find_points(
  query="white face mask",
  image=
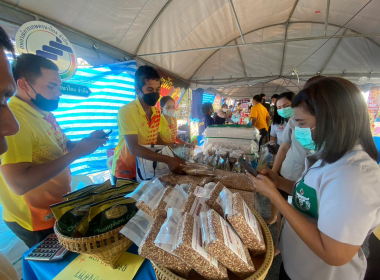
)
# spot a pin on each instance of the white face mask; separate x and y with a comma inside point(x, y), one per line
point(224, 110)
point(169, 113)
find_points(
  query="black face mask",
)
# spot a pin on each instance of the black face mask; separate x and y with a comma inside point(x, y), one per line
point(42, 102)
point(151, 98)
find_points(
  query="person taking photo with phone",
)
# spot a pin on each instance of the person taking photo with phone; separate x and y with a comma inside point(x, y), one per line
point(35, 170)
point(336, 200)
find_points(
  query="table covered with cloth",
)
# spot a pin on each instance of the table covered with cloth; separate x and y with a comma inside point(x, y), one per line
point(37, 270)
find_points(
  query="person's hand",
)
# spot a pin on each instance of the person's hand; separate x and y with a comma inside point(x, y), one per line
point(190, 146)
point(273, 176)
point(97, 134)
point(87, 146)
point(263, 184)
point(175, 164)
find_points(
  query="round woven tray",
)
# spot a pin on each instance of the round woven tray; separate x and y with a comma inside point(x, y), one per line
point(163, 273)
point(107, 247)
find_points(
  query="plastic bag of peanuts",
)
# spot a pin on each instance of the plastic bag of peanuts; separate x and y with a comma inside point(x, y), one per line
point(246, 225)
point(226, 246)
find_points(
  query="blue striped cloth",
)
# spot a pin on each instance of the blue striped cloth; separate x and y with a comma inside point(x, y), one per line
point(208, 98)
point(112, 86)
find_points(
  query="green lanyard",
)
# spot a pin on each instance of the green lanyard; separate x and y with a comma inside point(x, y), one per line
point(305, 200)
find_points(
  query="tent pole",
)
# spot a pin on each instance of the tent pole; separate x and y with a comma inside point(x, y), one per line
point(241, 59)
point(327, 17)
point(151, 26)
point(331, 55)
point(266, 43)
point(237, 22)
point(286, 35)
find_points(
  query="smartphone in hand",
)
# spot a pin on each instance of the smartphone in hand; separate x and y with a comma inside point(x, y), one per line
point(248, 167)
point(107, 133)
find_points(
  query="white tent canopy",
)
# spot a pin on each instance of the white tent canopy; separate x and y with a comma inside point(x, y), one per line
point(281, 43)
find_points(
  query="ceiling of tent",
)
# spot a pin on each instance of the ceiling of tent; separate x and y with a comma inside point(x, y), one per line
point(195, 39)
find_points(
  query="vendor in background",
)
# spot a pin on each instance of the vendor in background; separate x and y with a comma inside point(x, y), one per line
point(291, 155)
point(266, 105)
point(221, 115)
point(207, 111)
point(238, 107)
point(140, 124)
point(282, 112)
point(168, 130)
point(336, 201)
point(35, 171)
point(8, 126)
point(273, 105)
point(260, 117)
point(230, 112)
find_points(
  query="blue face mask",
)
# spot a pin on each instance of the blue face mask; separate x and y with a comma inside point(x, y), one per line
point(286, 112)
point(303, 135)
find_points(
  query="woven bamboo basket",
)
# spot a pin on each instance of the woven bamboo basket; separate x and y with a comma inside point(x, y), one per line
point(262, 263)
point(107, 247)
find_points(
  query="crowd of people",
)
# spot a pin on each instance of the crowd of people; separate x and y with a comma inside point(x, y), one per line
point(327, 161)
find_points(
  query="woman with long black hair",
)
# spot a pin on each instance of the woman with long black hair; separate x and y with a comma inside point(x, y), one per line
point(336, 202)
point(282, 112)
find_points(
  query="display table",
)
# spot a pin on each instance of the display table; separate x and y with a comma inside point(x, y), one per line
point(34, 270)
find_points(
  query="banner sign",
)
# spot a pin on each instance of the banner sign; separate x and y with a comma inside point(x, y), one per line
point(373, 109)
point(43, 39)
point(170, 86)
point(75, 89)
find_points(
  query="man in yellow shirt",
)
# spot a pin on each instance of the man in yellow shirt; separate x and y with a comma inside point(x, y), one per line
point(140, 124)
point(35, 170)
point(8, 126)
point(260, 117)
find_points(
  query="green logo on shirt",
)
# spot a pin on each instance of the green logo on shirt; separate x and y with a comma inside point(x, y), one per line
point(305, 200)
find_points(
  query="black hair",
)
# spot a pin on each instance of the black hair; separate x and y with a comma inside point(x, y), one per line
point(312, 80)
point(29, 66)
point(277, 119)
point(206, 107)
point(274, 96)
point(145, 73)
point(262, 95)
point(342, 117)
point(224, 105)
point(5, 42)
point(239, 104)
point(258, 98)
point(165, 99)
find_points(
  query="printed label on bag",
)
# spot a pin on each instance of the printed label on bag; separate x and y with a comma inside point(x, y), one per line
point(49, 217)
point(232, 240)
point(251, 220)
point(198, 207)
point(197, 243)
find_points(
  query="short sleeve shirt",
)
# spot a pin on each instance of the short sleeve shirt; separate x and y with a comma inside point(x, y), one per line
point(260, 113)
point(342, 199)
point(132, 120)
point(168, 132)
point(294, 162)
point(39, 140)
point(277, 131)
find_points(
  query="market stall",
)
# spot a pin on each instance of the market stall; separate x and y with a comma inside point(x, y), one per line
point(232, 49)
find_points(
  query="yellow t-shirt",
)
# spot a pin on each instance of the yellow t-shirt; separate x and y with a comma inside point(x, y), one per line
point(168, 132)
point(40, 140)
point(132, 120)
point(260, 113)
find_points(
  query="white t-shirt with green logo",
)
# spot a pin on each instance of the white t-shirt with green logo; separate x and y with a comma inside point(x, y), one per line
point(343, 199)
